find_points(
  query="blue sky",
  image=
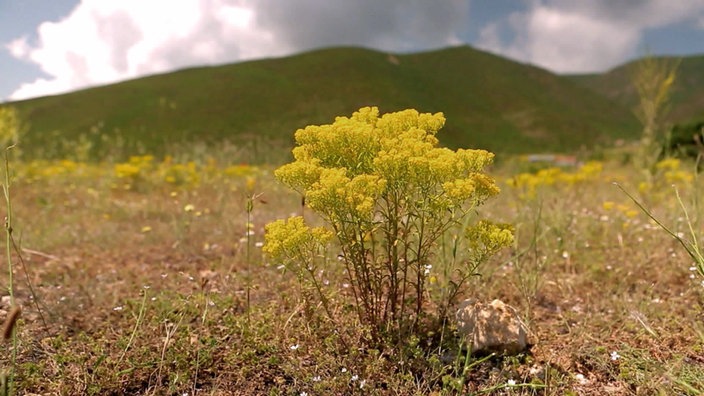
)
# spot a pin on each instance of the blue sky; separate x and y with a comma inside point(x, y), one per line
point(56, 46)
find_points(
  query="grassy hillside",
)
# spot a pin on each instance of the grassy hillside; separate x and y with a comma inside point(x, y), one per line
point(490, 102)
point(687, 95)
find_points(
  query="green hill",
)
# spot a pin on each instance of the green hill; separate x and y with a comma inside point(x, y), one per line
point(687, 95)
point(490, 102)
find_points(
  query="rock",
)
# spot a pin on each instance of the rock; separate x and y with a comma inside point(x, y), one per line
point(493, 327)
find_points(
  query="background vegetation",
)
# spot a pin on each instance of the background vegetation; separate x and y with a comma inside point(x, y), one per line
point(490, 103)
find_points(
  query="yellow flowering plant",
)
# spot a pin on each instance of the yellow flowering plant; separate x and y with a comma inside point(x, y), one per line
point(10, 127)
point(134, 172)
point(387, 193)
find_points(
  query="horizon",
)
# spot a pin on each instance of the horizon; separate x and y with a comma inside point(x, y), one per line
point(313, 50)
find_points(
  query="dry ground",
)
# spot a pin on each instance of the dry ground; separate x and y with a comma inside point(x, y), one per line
point(145, 291)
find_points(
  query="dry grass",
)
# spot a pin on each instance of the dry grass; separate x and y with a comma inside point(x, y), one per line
point(144, 292)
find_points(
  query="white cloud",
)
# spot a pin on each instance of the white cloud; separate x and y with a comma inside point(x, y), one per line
point(107, 41)
point(102, 42)
point(19, 48)
point(41, 87)
point(568, 36)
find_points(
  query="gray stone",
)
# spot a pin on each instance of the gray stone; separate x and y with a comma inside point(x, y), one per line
point(494, 327)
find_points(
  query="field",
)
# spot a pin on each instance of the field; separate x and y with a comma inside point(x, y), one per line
point(147, 277)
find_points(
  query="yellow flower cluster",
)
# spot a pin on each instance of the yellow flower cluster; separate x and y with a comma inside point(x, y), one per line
point(625, 210)
point(288, 239)
point(34, 171)
point(238, 170)
point(668, 172)
point(528, 183)
point(341, 198)
point(139, 170)
point(178, 174)
point(486, 238)
point(134, 168)
point(135, 173)
point(345, 167)
point(671, 171)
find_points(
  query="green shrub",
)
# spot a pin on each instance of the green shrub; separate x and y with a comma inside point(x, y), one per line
point(686, 140)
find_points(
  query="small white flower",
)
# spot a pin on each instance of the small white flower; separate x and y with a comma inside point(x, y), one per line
point(304, 393)
point(692, 268)
point(615, 356)
point(362, 383)
point(354, 378)
point(294, 347)
point(511, 382)
point(344, 370)
point(118, 309)
point(316, 378)
point(259, 244)
point(428, 267)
